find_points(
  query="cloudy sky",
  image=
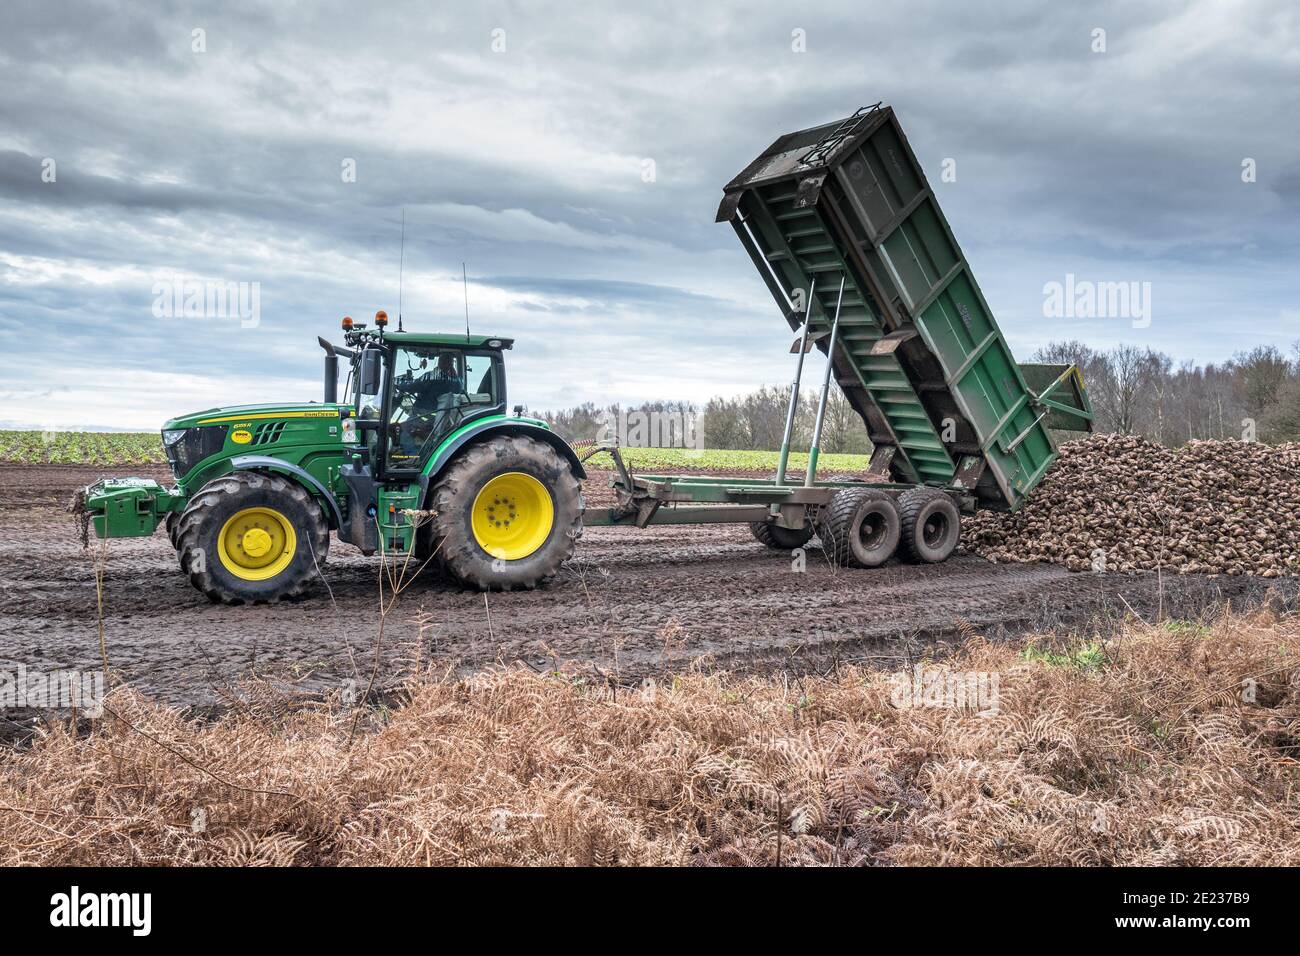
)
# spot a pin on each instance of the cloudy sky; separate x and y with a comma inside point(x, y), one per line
point(573, 156)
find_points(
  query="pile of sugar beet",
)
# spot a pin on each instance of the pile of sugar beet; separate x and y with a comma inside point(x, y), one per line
point(1121, 503)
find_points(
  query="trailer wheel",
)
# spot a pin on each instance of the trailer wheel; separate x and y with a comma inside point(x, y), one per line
point(860, 527)
point(778, 538)
point(251, 537)
point(508, 513)
point(931, 525)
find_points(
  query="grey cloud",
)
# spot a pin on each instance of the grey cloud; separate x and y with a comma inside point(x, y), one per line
point(526, 164)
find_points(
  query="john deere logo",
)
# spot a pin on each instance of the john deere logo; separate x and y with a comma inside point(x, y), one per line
point(241, 436)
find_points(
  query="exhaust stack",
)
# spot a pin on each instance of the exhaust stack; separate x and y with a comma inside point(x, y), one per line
point(331, 379)
point(331, 371)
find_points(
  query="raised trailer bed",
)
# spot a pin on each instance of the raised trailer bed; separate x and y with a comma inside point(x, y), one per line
point(918, 353)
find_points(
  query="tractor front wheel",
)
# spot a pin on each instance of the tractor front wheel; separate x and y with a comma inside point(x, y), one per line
point(250, 537)
point(170, 524)
point(508, 512)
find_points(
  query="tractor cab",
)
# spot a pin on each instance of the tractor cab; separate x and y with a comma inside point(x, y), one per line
point(412, 391)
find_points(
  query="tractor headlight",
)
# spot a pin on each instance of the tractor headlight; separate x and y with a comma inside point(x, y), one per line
point(187, 447)
point(349, 431)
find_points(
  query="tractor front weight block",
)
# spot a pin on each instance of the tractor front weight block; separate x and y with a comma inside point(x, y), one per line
point(128, 507)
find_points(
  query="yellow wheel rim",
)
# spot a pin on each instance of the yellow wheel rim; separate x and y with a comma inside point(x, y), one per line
point(256, 544)
point(512, 516)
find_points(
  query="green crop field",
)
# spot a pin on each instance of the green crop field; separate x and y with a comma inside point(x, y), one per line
point(688, 459)
point(81, 448)
point(145, 448)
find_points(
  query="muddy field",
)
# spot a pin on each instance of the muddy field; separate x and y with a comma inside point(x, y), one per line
point(632, 604)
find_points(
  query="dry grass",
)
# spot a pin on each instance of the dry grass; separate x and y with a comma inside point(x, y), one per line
point(1140, 751)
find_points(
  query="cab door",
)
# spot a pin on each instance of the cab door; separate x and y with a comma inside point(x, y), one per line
point(435, 390)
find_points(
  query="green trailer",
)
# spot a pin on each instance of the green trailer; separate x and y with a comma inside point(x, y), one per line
point(420, 458)
point(844, 229)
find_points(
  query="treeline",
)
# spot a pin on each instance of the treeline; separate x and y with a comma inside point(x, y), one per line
point(756, 420)
point(1255, 396)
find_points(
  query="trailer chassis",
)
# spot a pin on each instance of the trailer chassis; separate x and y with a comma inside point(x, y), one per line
point(643, 500)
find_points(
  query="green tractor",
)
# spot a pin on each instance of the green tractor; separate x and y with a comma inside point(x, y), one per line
point(418, 459)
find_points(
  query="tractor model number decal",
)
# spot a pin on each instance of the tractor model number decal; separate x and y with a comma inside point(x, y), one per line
point(241, 436)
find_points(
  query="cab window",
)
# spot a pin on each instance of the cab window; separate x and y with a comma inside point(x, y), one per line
point(435, 391)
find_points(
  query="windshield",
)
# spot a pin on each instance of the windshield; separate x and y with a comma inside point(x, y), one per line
point(435, 389)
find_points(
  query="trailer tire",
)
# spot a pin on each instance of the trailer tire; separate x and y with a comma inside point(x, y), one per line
point(278, 517)
point(463, 526)
point(860, 527)
point(778, 538)
point(931, 526)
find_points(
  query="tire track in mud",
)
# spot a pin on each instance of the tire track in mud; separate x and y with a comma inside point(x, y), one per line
point(632, 603)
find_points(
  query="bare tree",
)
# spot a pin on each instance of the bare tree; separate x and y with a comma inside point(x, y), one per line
point(844, 432)
point(1261, 373)
point(1125, 396)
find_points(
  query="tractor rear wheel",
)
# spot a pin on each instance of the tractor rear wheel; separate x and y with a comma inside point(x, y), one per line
point(778, 538)
point(508, 512)
point(931, 525)
point(860, 527)
point(250, 537)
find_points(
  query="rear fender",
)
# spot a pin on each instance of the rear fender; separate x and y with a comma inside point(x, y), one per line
point(498, 426)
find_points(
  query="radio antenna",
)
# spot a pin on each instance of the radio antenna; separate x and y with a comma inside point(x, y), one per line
point(401, 265)
point(464, 282)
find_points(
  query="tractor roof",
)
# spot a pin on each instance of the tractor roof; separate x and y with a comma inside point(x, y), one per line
point(437, 338)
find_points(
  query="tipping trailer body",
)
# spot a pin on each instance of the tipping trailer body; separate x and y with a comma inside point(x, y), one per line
point(918, 354)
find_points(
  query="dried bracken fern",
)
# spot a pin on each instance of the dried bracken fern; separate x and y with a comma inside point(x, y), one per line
point(1151, 752)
